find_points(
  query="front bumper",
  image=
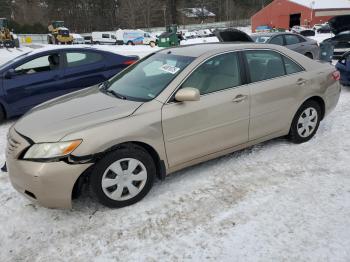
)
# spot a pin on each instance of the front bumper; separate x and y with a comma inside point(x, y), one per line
point(48, 184)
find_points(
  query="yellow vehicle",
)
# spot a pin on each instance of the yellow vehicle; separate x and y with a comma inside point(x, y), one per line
point(59, 35)
point(7, 38)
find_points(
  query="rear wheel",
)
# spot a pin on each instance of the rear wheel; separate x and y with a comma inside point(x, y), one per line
point(123, 177)
point(306, 122)
point(130, 43)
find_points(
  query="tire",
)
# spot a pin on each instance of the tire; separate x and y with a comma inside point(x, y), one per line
point(152, 44)
point(309, 55)
point(130, 43)
point(302, 132)
point(112, 188)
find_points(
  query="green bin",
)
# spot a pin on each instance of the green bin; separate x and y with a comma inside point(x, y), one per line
point(169, 38)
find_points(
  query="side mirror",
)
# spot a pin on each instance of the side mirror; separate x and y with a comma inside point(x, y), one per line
point(187, 94)
point(10, 73)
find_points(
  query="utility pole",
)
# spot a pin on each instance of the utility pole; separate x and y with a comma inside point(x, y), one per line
point(164, 15)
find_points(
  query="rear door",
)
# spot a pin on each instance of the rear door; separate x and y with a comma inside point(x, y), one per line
point(218, 121)
point(293, 42)
point(36, 80)
point(83, 69)
point(277, 83)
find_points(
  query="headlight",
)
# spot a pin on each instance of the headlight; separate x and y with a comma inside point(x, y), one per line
point(51, 150)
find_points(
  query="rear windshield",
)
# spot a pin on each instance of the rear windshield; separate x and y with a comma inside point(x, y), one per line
point(146, 79)
point(261, 38)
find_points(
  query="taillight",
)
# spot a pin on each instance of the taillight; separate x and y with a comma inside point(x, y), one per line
point(129, 62)
point(336, 75)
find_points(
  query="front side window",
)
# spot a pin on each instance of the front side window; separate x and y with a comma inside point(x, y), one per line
point(40, 64)
point(75, 59)
point(218, 73)
point(146, 79)
point(264, 64)
point(292, 40)
point(105, 35)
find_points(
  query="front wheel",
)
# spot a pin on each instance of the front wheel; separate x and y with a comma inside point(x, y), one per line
point(306, 122)
point(123, 177)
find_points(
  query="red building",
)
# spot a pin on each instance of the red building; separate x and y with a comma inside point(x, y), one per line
point(288, 13)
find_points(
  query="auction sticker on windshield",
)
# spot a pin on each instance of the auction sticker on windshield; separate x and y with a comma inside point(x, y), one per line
point(170, 69)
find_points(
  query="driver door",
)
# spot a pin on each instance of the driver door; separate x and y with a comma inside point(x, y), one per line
point(33, 82)
point(219, 121)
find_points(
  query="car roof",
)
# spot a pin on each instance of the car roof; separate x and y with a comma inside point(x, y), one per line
point(197, 50)
point(273, 34)
point(56, 48)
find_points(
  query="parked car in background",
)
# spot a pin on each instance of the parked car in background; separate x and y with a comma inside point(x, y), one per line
point(263, 29)
point(297, 29)
point(317, 26)
point(324, 29)
point(88, 40)
point(340, 27)
point(41, 75)
point(295, 42)
point(103, 38)
point(135, 37)
point(78, 39)
point(343, 65)
point(158, 116)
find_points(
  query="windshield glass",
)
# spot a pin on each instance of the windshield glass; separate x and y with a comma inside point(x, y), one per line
point(261, 38)
point(145, 80)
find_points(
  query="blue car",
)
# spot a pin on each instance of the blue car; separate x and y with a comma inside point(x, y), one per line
point(41, 75)
point(343, 67)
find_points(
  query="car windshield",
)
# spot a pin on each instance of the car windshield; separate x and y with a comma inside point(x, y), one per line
point(261, 38)
point(146, 79)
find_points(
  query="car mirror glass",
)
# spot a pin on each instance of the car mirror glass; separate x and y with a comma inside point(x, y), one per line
point(187, 94)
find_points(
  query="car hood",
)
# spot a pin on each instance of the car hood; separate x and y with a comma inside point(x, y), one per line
point(339, 24)
point(57, 118)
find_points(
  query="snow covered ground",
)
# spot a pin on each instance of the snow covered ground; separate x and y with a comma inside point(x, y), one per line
point(276, 201)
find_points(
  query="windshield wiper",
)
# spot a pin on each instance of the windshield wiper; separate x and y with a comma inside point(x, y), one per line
point(114, 93)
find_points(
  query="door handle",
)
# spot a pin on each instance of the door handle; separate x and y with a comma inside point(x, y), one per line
point(239, 98)
point(301, 82)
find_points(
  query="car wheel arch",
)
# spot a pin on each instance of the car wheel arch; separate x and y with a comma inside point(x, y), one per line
point(84, 177)
point(160, 164)
point(317, 99)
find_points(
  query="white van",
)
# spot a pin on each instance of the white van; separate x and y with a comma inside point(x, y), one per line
point(103, 38)
point(135, 37)
point(77, 39)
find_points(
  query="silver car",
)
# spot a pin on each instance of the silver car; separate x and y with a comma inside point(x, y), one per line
point(295, 42)
point(171, 110)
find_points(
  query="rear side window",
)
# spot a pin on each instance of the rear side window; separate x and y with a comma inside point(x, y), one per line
point(75, 59)
point(291, 39)
point(264, 64)
point(277, 40)
point(218, 73)
point(105, 35)
point(291, 66)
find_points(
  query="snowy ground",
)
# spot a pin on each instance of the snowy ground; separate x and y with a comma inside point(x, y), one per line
point(276, 201)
